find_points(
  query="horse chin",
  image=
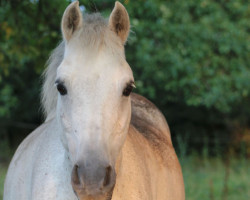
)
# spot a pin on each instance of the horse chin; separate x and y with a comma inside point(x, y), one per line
point(83, 196)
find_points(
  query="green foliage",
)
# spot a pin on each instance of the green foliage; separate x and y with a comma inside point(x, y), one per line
point(29, 31)
point(191, 58)
point(194, 52)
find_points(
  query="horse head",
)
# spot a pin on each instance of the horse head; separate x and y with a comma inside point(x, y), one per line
point(94, 83)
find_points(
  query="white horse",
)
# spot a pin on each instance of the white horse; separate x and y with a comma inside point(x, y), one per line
point(99, 141)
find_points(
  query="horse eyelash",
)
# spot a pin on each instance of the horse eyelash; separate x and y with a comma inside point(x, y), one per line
point(133, 84)
point(58, 81)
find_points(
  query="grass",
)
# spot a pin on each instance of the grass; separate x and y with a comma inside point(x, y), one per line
point(3, 170)
point(215, 179)
point(205, 178)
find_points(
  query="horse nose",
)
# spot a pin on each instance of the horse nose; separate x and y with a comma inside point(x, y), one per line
point(107, 176)
point(92, 180)
point(74, 177)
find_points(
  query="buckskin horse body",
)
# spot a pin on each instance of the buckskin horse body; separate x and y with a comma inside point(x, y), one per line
point(99, 140)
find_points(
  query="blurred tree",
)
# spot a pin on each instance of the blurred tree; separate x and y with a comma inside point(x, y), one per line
point(191, 58)
point(29, 30)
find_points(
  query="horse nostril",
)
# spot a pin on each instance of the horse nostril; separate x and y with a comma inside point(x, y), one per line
point(75, 176)
point(107, 176)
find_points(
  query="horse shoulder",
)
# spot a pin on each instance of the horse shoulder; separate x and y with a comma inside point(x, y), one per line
point(150, 123)
point(18, 175)
point(37, 167)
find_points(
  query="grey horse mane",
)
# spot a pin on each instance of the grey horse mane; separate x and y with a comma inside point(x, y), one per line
point(49, 93)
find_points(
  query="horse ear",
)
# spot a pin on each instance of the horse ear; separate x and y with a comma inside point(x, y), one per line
point(71, 20)
point(119, 21)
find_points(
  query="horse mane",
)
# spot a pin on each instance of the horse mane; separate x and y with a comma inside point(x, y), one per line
point(94, 34)
point(49, 93)
point(148, 120)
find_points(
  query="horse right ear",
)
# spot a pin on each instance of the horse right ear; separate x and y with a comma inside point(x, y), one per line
point(71, 21)
point(119, 21)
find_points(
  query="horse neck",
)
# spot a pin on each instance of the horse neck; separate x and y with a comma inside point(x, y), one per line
point(50, 117)
point(55, 132)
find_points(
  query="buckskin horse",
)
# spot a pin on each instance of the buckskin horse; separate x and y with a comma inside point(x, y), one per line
point(99, 141)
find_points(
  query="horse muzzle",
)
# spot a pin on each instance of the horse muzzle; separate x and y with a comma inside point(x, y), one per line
point(92, 180)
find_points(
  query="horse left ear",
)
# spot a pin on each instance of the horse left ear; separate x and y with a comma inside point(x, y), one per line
point(119, 21)
point(72, 20)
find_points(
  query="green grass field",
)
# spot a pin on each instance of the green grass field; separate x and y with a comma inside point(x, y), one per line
point(3, 170)
point(206, 179)
point(213, 179)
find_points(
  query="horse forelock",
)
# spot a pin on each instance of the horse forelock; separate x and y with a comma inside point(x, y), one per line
point(94, 34)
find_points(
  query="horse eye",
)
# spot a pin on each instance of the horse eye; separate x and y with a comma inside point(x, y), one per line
point(61, 89)
point(128, 90)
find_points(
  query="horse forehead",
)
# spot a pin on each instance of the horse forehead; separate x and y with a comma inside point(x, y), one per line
point(84, 58)
point(93, 71)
